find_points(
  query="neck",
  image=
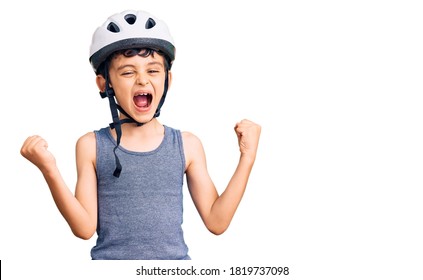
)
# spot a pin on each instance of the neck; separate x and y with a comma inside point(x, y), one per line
point(141, 138)
point(152, 127)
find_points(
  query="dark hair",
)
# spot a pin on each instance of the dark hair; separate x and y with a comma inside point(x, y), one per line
point(145, 52)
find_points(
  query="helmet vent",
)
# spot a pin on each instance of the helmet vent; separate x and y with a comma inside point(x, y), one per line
point(150, 23)
point(130, 18)
point(112, 27)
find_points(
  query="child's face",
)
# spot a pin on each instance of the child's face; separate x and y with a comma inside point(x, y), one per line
point(138, 83)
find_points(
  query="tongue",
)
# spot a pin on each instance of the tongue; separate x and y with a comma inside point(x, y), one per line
point(141, 100)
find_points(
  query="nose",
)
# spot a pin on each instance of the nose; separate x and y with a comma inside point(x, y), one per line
point(142, 81)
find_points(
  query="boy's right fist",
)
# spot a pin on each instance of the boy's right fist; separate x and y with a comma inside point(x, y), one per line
point(35, 150)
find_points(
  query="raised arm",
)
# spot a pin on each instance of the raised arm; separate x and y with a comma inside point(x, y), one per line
point(217, 210)
point(80, 211)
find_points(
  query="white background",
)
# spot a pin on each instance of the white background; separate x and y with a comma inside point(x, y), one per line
point(336, 85)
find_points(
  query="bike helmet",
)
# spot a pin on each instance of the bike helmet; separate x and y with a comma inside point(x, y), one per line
point(129, 30)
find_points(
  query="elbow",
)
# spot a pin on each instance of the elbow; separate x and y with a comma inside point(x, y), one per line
point(217, 229)
point(217, 224)
point(84, 234)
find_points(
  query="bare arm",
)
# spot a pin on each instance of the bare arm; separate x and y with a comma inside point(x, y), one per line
point(217, 210)
point(80, 211)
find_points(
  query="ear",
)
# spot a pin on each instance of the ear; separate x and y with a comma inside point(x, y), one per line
point(101, 83)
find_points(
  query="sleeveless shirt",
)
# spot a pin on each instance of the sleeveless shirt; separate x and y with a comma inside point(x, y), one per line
point(140, 213)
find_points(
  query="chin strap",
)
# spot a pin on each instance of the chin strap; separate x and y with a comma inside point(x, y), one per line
point(117, 123)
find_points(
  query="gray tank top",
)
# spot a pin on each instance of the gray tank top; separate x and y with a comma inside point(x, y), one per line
point(140, 213)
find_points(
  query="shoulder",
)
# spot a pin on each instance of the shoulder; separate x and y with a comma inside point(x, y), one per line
point(190, 140)
point(87, 139)
point(193, 148)
point(86, 144)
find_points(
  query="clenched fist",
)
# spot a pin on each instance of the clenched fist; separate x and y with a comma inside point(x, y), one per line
point(35, 150)
point(248, 134)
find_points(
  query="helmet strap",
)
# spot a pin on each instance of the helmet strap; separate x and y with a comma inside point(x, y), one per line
point(110, 94)
point(162, 100)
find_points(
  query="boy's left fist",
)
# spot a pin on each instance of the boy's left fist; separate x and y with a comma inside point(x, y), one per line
point(248, 134)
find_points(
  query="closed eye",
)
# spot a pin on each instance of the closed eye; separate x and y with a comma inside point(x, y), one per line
point(127, 73)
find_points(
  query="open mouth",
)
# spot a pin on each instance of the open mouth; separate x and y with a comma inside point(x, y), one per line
point(143, 100)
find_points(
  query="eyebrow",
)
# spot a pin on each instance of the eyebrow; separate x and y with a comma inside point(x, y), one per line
point(148, 64)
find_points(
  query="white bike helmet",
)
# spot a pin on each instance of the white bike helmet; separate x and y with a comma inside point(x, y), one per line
point(129, 30)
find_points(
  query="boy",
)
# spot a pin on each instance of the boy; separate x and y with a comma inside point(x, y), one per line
point(130, 176)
